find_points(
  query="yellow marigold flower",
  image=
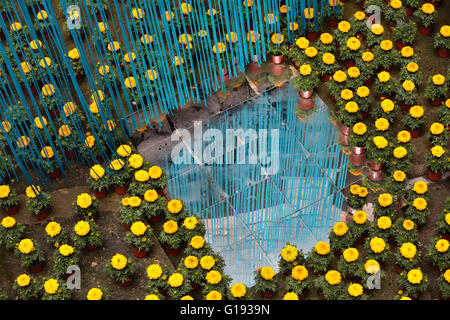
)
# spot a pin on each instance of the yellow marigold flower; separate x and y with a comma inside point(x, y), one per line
point(113, 46)
point(445, 31)
point(42, 15)
point(119, 261)
point(353, 72)
point(23, 280)
point(438, 79)
point(299, 273)
point(16, 26)
point(66, 250)
point(151, 297)
point(152, 75)
point(219, 48)
point(97, 172)
point(420, 187)
point(5, 127)
point(384, 223)
point(26, 67)
point(415, 276)
point(138, 228)
point(154, 271)
point(359, 15)
point(51, 286)
point(23, 142)
point(134, 201)
point(354, 189)
point(384, 76)
point(412, 67)
point(387, 105)
point(176, 280)
point(368, 56)
point(305, 69)
point(267, 273)
point(355, 289)
point(124, 150)
point(82, 228)
point(385, 200)
point(340, 229)
point(407, 52)
point(290, 296)
point(74, 54)
point(129, 56)
point(400, 152)
point(48, 90)
point(53, 229)
point(399, 176)
point(302, 43)
point(186, 8)
point(386, 45)
point(396, 4)
point(380, 142)
point(381, 124)
point(403, 136)
point(447, 275)
point(231, 37)
point(26, 246)
point(253, 36)
point(420, 203)
point(377, 29)
point(155, 172)
point(408, 225)
point(328, 58)
point(197, 242)
point(33, 191)
point(116, 164)
point(363, 91)
point(344, 26)
point(437, 151)
point(89, 142)
point(191, 262)
point(371, 266)
point(377, 245)
point(214, 295)
point(408, 250)
point(311, 52)
point(95, 294)
point(277, 38)
point(360, 217)
point(353, 43)
point(289, 253)
point(351, 107)
point(35, 44)
point(437, 128)
point(64, 131)
point(427, 8)
point(130, 82)
point(351, 254)
point(326, 38)
point(213, 277)
point(270, 18)
point(84, 200)
point(408, 85)
point(207, 262)
point(174, 206)
point(339, 76)
point(363, 192)
point(190, 223)
point(138, 13)
point(141, 176)
point(8, 222)
point(150, 195)
point(135, 161)
point(170, 227)
point(293, 26)
point(322, 248)
point(442, 245)
point(333, 277)
point(238, 290)
point(359, 128)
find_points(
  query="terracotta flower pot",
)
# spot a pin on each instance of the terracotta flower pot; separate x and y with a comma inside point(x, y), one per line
point(311, 36)
point(195, 287)
point(343, 138)
point(349, 63)
point(277, 59)
point(414, 133)
point(375, 175)
point(409, 11)
point(277, 69)
point(120, 190)
point(368, 82)
point(401, 45)
point(355, 172)
point(37, 267)
point(127, 283)
point(155, 219)
point(434, 176)
point(12, 211)
point(91, 248)
point(404, 106)
point(43, 214)
point(306, 104)
point(425, 31)
point(325, 78)
point(436, 102)
point(267, 294)
point(332, 22)
point(443, 53)
point(306, 94)
point(358, 156)
point(100, 194)
point(172, 252)
point(139, 253)
point(126, 227)
point(377, 166)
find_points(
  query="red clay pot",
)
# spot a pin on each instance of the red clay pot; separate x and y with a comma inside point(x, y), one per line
point(409, 11)
point(443, 53)
point(404, 106)
point(100, 194)
point(434, 176)
point(332, 22)
point(343, 138)
point(43, 214)
point(172, 252)
point(139, 254)
point(267, 294)
point(306, 94)
point(375, 175)
point(277, 59)
point(155, 219)
point(306, 104)
point(195, 287)
point(436, 102)
point(127, 283)
point(368, 82)
point(375, 165)
point(126, 227)
point(401, 45)
point(12, 211)
point(91, 248)
point(277, 69)
point(120, 190)
point(55, 174)
point(414, 133)
point(358, 156)
point(37, 268)
point(425, 31)
point(349, 63)
point(325, 78)
point(311, 36)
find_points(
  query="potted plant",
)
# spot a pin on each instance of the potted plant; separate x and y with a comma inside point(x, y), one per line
point(411, 72)
point(406, 56)
point(444, 284)
point(384, 206)
point(298, 281)
point(417, 210)
point(444, 113)
point(121, 269)
point(31, 256)
point(11, 232)
point(358, 23)
point(8, 200)
point(363, 99)
point(131, 210)
point(140, 237)
point(326, 44)
point(343, 32)
point(347, 116)
point(382, 228)
point(384, 85)
point(26, 287)
point(350, 265)
point(414, 120)
point(385, 55)
point(377, 249)
point(401, 160)
point(120, 177)
point(319, 259)
point(327, 67)
point(441, 41)
point(405, 230)
point(374, 35)
point(38, 202)
point(153, 206)
point(277, 48)
point(436, 162)
point(265, 282)
point(178, 286)
point(359, 226)
point(405, 34)
point(330, 285)
point(414, 282)
point(238, 291)
point(86, 235)
point(367, 64)
point(157, 278)
point(192, 227)
point(85, 205)
point(340, 238)
point(171, 238)
point(140, 184)
point(50, 100)
point(306, 82)
point(176, 210)
point(56, 290)
point(439, 253)
point(396, 185)
point(407, 257)
point(290, 257)
point(410, 6)
point(394, 13)
point(436, 90)
point(198, 247)
point(443, 224)
point(64, 257)
point(377, 151)
point(425, 15)
point(215, 280)
point(438, 135)
point(350, 51)
point(55, 234)
point(50, 162)
point(99, 181)
point(357, 140)
point(190, 267)
point(355, 291)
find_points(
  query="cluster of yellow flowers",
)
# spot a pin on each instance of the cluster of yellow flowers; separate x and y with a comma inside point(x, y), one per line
point(355, 289)
point(191, 262)
point(170, 227)
point(213, 277)
point(415, 276)
point(66, 250)
point(174, 206)
point(176, 280)
point(442, 245)
point(384, 223)
point(385, 199)
point(359, 128)
point(299, 273)
point(150, 195)
point(26, 246)
point(51, 286)
point(23, 280)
